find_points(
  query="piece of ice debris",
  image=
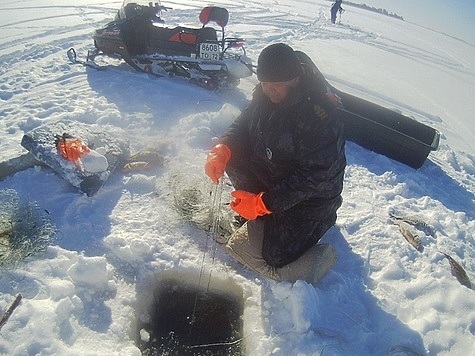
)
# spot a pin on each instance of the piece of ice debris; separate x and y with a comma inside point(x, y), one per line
point(416, 222)
point(42, 142)
point(410, 237)
point(458, 271)
point(94, 162)
point(144, 335)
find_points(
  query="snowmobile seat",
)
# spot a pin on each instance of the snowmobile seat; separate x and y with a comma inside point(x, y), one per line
point(175, 34)
point(183, 34)
point(179, 40)
point(207, 34)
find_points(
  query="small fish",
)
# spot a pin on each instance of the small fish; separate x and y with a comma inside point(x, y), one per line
point(417, 223)
point(458, 272)
point(143, 160)
point(413, 239)
point(146, 156)
point(136, 166)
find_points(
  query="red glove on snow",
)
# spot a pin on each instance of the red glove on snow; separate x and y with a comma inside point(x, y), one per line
point(71, 148)
point(216, 162)
point(248, 205)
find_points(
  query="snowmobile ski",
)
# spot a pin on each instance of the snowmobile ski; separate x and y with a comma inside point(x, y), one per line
point(74, 60)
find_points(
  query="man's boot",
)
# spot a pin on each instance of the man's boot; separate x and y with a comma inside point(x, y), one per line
point(245, 245)
point(312, 266)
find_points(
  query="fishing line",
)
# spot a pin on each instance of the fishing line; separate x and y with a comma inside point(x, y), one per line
point(216, 195)
point(215, 201)
point(199, 284)
point(229, 343)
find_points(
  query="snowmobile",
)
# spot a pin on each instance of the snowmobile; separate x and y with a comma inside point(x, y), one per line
point(138, 35)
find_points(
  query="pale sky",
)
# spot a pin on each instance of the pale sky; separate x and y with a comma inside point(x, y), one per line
point(455, 18)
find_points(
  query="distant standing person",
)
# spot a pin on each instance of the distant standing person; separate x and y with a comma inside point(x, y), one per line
point(336, 7)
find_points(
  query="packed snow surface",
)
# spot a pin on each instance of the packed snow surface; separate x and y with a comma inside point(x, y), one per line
point(83, 295)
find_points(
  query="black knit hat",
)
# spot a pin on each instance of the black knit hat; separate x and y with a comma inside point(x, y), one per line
point(278, 63)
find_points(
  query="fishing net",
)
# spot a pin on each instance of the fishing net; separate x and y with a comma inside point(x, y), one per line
point(204, 204)
point(25, 229)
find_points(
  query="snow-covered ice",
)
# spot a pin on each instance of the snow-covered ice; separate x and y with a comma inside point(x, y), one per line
point(82, 296)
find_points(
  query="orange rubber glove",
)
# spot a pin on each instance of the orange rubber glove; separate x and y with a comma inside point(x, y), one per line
point(248, 205)
point(216, 162)
point(72, 148)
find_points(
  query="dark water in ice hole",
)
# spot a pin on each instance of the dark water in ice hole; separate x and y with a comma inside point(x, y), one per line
point(216, 328)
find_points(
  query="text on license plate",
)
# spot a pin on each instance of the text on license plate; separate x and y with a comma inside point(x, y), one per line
point(209, 51)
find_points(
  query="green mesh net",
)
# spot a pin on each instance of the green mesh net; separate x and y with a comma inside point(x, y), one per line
point(25, 229)
point(203, 203)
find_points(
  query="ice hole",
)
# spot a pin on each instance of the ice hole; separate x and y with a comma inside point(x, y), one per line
point(185, 318)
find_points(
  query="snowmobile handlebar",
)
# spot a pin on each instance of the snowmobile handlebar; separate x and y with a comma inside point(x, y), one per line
point(163, 8)
point(133, 11)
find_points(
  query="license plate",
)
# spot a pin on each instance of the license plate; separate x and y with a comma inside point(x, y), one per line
point(209, 51)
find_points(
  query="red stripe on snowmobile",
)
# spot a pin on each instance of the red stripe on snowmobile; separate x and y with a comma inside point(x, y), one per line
point(184, 37)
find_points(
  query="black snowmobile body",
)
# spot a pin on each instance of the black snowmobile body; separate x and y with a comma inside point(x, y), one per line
point(204, 56)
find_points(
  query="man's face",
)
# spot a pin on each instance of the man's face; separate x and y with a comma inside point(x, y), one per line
point(277, 92)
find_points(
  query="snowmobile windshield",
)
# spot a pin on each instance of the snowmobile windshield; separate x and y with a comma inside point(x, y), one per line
point(131, 9)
